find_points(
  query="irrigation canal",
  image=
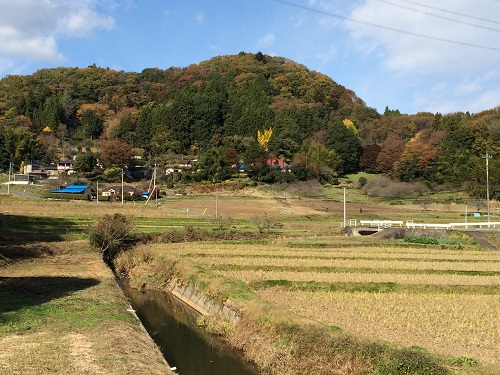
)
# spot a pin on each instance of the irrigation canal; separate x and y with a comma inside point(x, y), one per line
point(172, 325)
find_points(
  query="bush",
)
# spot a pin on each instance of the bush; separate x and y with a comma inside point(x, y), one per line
point(385, 187)
point(111, 234)
point(421, 239)
point(265, 223)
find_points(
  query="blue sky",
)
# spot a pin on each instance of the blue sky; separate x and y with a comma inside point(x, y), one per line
point(411, 55)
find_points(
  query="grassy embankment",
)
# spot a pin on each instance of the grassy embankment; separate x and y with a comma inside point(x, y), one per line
point(61, 311)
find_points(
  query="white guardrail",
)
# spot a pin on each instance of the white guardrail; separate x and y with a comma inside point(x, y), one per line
point(381, 223)
point(413, 225)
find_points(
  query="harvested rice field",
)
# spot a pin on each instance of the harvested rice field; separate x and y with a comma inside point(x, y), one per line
point(446, 300)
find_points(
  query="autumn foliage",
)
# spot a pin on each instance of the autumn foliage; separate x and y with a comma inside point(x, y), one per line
point(238, 111)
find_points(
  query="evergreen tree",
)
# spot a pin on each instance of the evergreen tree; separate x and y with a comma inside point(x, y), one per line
point(345, 144)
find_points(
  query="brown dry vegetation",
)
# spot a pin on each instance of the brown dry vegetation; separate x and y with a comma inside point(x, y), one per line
point(446, 301)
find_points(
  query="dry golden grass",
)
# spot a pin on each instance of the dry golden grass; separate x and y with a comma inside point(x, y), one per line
point(453, 325)
point(353, 277)
point(347, 250)
point(220, 260)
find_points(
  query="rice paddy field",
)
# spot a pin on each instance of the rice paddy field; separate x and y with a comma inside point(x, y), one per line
point(446, 300)
point(443, 298)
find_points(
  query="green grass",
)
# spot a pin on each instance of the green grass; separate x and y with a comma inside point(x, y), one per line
point(68, 303)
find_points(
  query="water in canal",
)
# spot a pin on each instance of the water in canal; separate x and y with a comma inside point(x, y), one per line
point(172, 325)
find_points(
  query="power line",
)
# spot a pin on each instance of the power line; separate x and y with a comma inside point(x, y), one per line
point(452, 12)
point(438, 16)
point(386, 27)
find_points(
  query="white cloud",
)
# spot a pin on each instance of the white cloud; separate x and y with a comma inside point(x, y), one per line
point(471, 93)
point(446, 59)
point(266, 40)
point(29, 29)
point(406, 52)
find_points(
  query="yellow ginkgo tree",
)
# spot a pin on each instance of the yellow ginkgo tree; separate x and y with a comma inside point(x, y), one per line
point(350, 125)
point(264, 137)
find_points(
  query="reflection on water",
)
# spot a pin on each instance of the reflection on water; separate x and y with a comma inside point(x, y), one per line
point(172, 325)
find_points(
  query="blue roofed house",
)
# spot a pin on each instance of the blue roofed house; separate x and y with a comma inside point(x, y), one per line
point(79, 191)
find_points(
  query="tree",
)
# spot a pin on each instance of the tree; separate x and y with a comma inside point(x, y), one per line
point(350, 125)
point(391, 150)
point(85, 162)
point(110, 234)
point(68, 107)
point(321, 160)
point(345, 144)
point(454, 161)
point(4, 155)
point(115, 153)
point(418, 160)
point(92, 123)
point(368, 159)
point(264, 137)
point(22, 145)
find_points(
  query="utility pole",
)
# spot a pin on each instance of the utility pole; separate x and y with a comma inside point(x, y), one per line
point(122, 186)
point(10, 171)
point(344, 211)
point(487, 157)
point(216, 203)
point(154, 187)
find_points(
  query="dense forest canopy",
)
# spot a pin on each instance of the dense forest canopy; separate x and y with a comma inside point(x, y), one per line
point(212, 112)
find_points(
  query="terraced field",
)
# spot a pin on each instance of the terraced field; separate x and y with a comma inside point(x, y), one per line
point(441, 298)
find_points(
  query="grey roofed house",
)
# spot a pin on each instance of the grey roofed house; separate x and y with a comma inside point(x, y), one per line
point(116, 190)
point(185, 164)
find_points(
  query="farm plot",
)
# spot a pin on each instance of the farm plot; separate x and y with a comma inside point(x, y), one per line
point(447, 301)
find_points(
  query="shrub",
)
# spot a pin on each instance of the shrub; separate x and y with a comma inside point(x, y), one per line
point(222, 223)
point(110, 234)
point(311, 188)
point(421, 239)
point(264, 223)
point(127, 260)
point(385, 187)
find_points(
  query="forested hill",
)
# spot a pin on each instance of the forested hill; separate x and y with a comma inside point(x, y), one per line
point(231, 110)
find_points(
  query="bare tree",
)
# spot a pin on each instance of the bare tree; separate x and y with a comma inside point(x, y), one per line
point(265, 223)
point(110, 235)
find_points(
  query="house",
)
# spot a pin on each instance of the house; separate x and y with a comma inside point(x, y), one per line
point(36, 175)
point(65, 166)
point(79, 191)
point(129, 192)
point(278, 164)
point(185, 165)
point(51, 170)
point(33, 166)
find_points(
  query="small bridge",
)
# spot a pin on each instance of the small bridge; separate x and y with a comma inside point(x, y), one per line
point(368, 227)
